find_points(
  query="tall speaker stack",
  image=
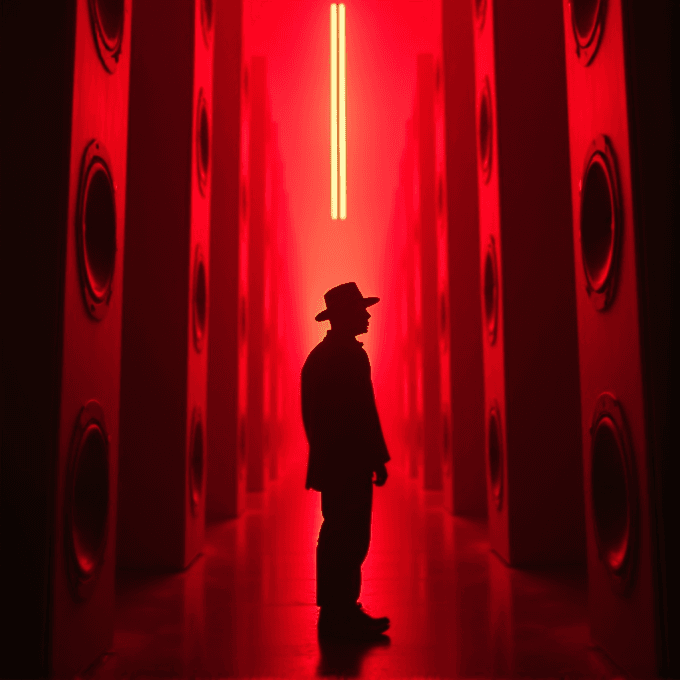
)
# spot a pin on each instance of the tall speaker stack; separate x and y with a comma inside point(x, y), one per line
point(165, 320)
point(225, 484)
point(429, 218)
point(258, 137)
point(274, 201)
point(64, 112)
point(624, 160)
point(412, 283)
point(443, 311)
point(464, 484)
point(527, 279)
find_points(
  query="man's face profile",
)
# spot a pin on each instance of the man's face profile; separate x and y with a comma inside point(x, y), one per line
point(353, 320)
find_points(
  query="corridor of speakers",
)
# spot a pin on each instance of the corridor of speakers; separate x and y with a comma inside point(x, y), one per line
point(503, 175)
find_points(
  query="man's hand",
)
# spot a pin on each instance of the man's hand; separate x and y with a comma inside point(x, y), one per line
point(380, 475)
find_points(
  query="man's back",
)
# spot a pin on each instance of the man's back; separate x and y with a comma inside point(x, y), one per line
point(339, 413)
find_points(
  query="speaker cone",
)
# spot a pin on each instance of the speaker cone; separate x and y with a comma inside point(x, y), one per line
point(108, 19)
point(485, 131)
point(87, 500)
point(480, 12)
point(200, 300)
point(496, 457)
point(96, 229)
point(587, 23)
point(207, 19)
point(613, 491)
point(202, 142)
point(491, 291)
point(600, 223)
point(196, 461)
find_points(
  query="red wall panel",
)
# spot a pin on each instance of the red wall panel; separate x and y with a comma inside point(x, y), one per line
point(622, 180)
point(426, 159)
point(258, 136)
point(165, 327)
point(465, 490)
point(528, 309)
point(225, 484)
point(64, 178)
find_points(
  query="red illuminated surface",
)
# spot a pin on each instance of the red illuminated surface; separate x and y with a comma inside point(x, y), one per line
point(247, 606)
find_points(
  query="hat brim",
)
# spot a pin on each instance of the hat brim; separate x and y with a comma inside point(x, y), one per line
point(326, 314)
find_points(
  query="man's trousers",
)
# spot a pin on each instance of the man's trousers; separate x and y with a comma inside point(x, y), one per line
point(343, 542)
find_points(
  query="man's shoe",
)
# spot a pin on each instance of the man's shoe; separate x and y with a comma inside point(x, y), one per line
point(350, 624)
point(381, 622)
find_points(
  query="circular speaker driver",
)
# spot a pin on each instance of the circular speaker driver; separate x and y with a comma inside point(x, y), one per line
point(107, 18)
point(87, 500)
point(202, 142)
point(613, 492)
point(96, 229)
point(495, 454)
point(600, 223)
point(199, 300)
point(207, 19)
point(587, 23)
point(196, 461)
point(490, 290)
point(485, 131)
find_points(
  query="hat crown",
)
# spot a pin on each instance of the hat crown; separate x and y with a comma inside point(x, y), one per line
point(344, 295)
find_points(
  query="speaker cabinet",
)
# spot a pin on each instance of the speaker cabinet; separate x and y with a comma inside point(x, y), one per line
point(165, 328)
point(464, 484)
point(535, 497)
point(410, 184)
point(225, 485)
point(64, 112)
point(624, 161)
point(256, 477)
point(442, 298)
point(427, 171)
point(274, 203)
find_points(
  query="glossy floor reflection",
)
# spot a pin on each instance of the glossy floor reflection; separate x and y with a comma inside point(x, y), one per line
point(246, 607)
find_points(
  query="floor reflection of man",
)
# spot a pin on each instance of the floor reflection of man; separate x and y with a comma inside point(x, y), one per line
point(347, 455)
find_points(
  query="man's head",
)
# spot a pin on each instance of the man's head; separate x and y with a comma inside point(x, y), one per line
point(346, 309)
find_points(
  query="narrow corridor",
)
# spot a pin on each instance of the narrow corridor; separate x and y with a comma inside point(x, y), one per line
point(245, 608)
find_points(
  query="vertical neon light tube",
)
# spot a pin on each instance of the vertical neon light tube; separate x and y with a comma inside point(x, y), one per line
point(342, 111)
point(334, 111)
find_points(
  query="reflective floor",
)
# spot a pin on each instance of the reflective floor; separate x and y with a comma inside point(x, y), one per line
point(246, 607)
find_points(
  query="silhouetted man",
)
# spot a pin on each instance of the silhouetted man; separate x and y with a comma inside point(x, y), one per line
point(347, 455)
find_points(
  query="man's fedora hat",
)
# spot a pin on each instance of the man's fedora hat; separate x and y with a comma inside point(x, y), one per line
point(343, 297)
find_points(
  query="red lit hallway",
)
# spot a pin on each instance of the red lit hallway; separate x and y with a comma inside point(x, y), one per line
point(246, 607)
point(182, 183)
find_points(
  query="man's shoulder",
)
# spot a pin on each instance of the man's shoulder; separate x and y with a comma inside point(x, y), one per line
point(330, 352)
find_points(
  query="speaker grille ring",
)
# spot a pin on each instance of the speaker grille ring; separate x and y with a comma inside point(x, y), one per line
point(203, 142)
point(207, 15)
point(613, 492)
point(86, 515)
point(587, 23)
point(199, 300)
point(196, 461)
point(490, 291)
point(599, 223)
point(107, 18)
point(96, 229)
point(480, 13)
point(485, 131)
point(495, 454)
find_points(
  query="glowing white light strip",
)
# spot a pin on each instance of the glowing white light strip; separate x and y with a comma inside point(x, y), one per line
point(334, 111)
point(342, 111)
